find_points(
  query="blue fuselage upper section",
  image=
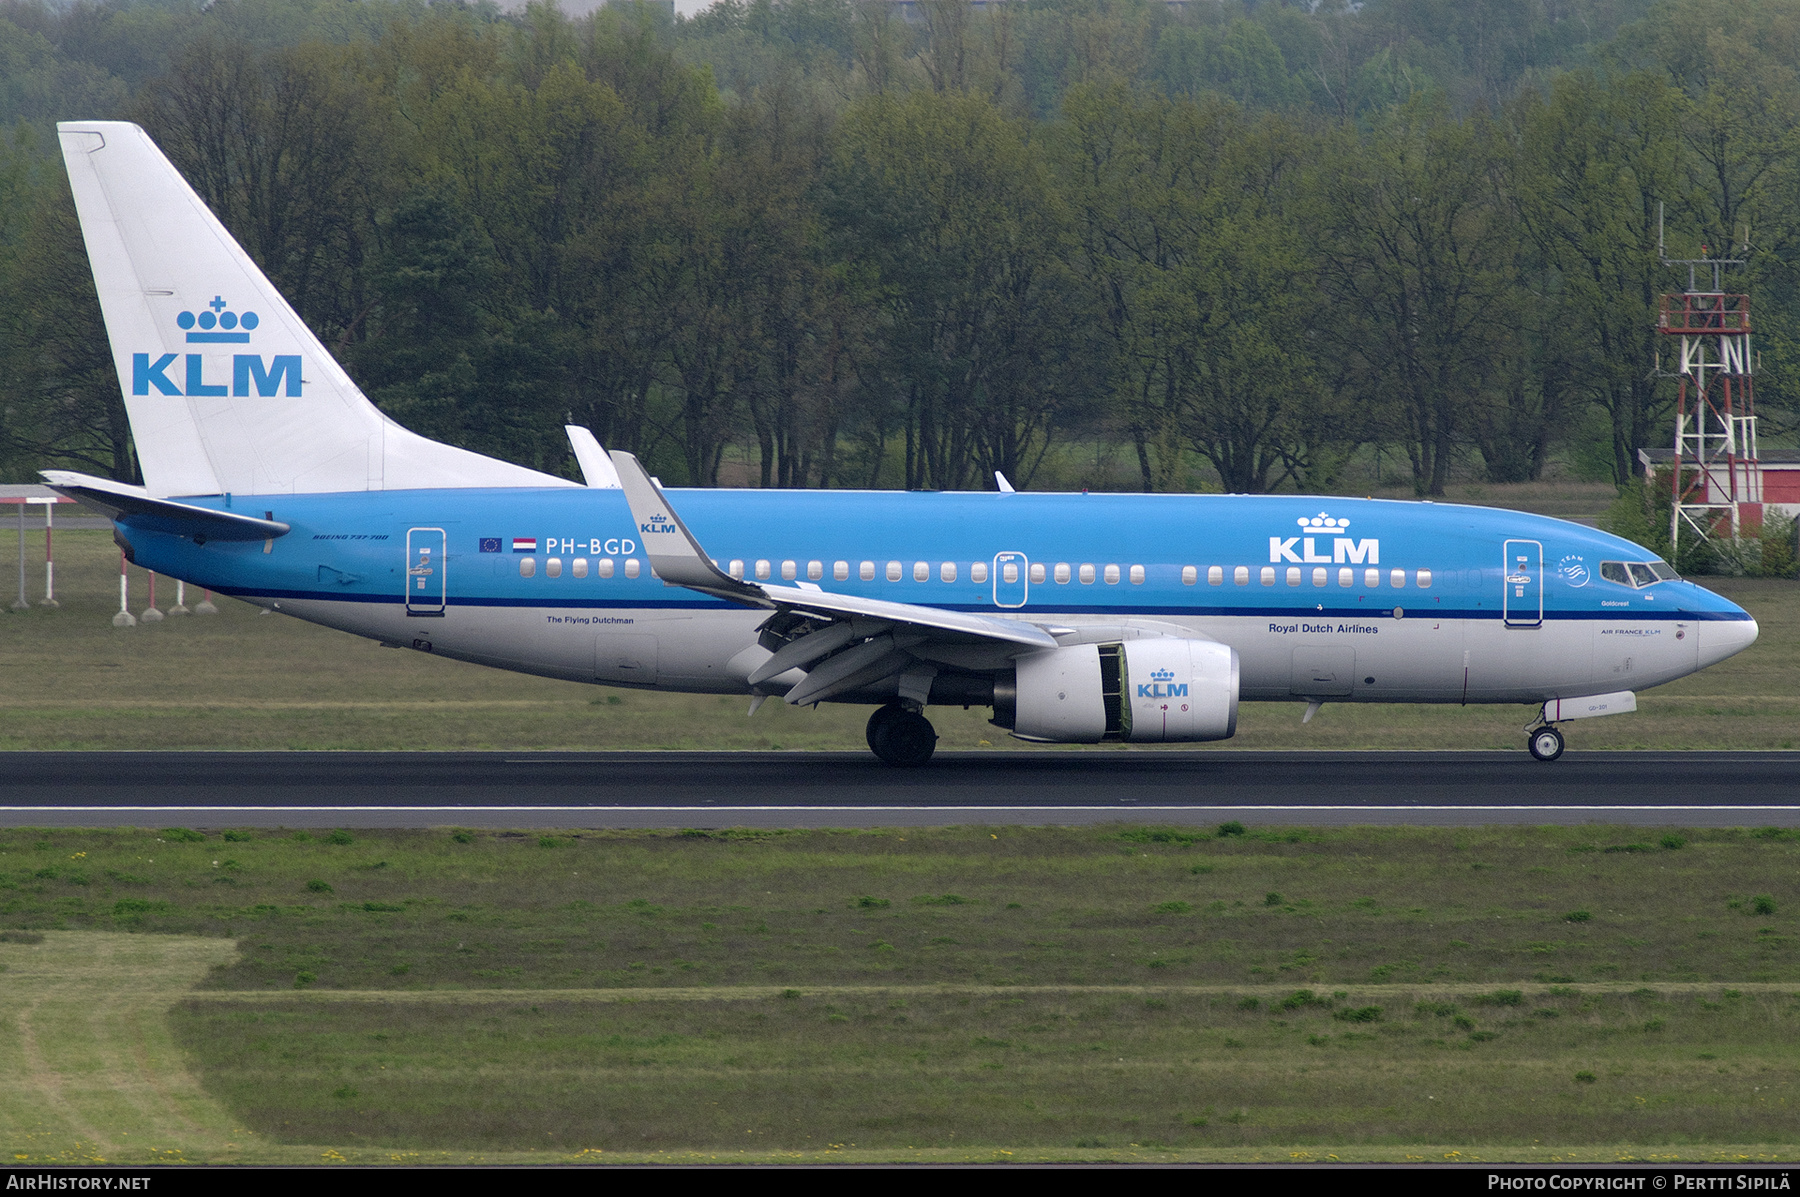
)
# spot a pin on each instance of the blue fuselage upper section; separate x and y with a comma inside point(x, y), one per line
point(1028, 555)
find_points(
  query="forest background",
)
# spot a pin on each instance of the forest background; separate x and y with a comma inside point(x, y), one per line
point(1115, 244)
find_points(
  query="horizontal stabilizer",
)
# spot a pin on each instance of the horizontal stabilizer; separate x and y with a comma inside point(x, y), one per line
point(121, 501)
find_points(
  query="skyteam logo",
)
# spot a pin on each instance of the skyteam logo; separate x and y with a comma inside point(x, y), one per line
point(1303, 549)
point(1162, 685)
point(217, 324)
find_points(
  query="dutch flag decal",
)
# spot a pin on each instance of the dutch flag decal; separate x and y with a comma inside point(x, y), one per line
point(524, 544)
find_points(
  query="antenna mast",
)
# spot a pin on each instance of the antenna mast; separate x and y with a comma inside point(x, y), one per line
point(1717, 477)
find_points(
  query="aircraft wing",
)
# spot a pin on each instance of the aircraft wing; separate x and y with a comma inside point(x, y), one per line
point(121, 499)
point(844, 642)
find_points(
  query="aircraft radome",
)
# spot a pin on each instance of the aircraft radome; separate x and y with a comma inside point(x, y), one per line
point(1078, 618)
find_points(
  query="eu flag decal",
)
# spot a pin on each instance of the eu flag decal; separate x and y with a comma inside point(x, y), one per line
point(490, 544)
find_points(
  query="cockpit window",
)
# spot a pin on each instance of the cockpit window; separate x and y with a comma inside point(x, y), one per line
point(1638, 574)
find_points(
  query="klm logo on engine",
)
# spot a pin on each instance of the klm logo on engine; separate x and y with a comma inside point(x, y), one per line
point(1304, 549)
point(1162, 685)
point(658, 523)
point(217, 325)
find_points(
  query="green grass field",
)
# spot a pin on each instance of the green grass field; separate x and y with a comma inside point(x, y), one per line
point(70, 680)
point(1080, 993)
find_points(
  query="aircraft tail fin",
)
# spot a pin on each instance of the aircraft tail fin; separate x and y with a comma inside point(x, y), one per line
point(226, 388)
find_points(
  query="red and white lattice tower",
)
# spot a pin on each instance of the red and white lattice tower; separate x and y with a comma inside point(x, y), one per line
point(1717, 478)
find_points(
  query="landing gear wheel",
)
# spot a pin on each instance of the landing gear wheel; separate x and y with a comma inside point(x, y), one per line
point(901, 737)
point(1546, 743)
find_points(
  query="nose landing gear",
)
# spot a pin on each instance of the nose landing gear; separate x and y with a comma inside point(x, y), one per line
point(1545, 743)
point(900, 736)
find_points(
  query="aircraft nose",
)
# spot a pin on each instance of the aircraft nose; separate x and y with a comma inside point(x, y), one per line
point(1721, 638)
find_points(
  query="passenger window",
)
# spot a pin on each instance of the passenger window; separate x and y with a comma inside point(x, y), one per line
point(1112, 575)
point(1086, 573)
point(1037, 573)
point(736, 570)
point(1397, 578)
point(606, 567)
point(1009, 572)
point(553, 568)
point(631, 567)
point(527, 566)
point(1062, 572)
point(1614, 571)
point(815, 570)
point(787, 571)
point(978, 572)
point(1346, 577)
point(762, 569)
point(1319, 575)
point(866, 571)
point(1137, 575)
point(921, 571)
point(893, 571)
point(1190, 575)
point(1641, 575)
point(1372, 578)
point(1268, 575)
point(947, 571)
point(1293, 575)
point(1215, 575)
point(579, 566)
point(1424, 579)
point(1241, 575)
point(840, 571)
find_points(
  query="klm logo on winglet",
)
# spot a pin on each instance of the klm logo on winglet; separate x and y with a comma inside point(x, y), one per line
point(218, 325)
point(658, 523)
point(1303, 550)
point(1162, 685)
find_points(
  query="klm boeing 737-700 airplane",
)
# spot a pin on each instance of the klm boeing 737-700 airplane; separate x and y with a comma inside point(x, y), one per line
point(1077, 618)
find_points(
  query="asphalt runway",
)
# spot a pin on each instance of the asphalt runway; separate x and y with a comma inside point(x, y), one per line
point(795, 789)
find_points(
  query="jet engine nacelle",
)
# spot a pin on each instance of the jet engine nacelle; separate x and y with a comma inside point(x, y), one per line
point(1143, 691)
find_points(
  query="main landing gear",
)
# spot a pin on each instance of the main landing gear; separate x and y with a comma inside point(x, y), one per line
point(900, 736)
point(1545, 743)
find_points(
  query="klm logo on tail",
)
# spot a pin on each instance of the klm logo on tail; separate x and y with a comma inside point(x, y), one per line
point(1162, 685)
point(218, 325)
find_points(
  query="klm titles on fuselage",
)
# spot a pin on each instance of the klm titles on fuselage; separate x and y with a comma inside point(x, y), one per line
point(248, 370)
point(1344, 549)
point(1162, 684)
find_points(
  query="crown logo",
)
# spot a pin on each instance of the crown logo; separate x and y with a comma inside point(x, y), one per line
point(1163, 675)
point(659, 518)
point(218, 325)
point(1322, 522)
